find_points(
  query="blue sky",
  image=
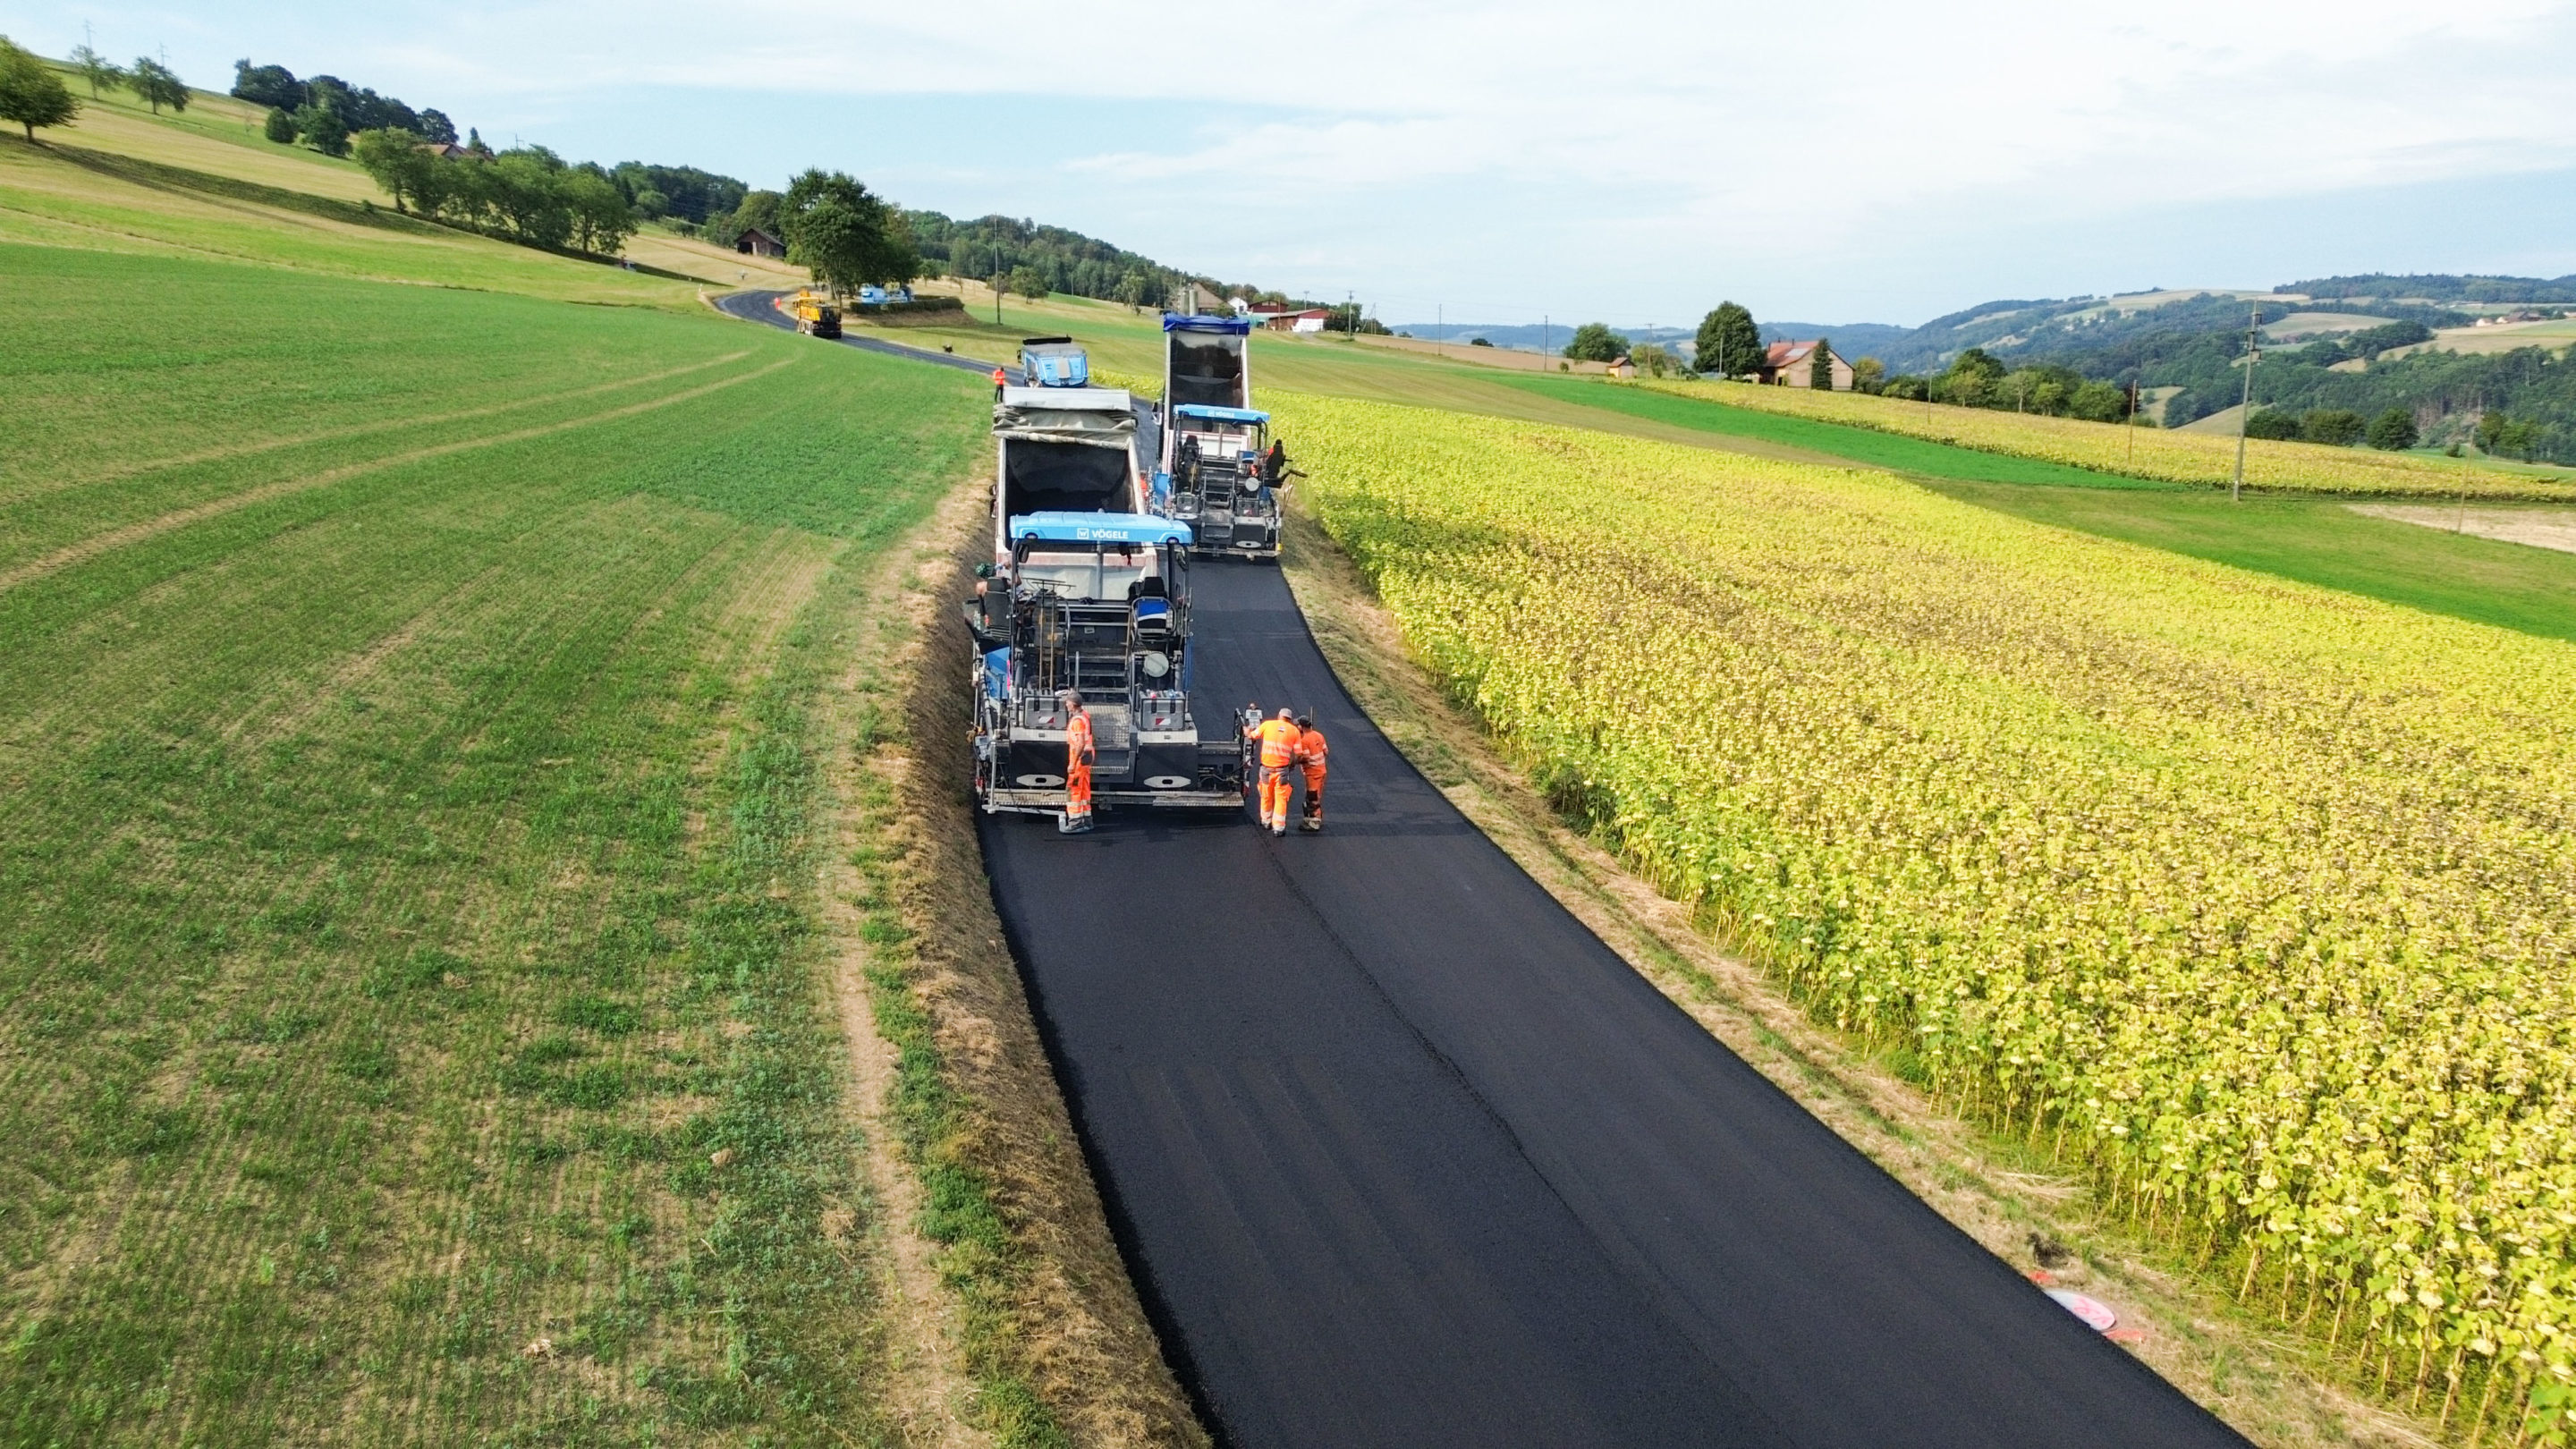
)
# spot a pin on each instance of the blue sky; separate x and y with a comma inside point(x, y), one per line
point(1871, 161)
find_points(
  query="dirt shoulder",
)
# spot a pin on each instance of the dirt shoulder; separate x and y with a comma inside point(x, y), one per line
point(2272, 1386)
point(2539, 527)
point(1014, 1320)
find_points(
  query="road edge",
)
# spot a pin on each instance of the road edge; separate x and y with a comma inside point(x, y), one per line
point(1044, 1305)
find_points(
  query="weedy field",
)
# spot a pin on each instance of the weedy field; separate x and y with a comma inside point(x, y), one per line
point(2293, 536)
point(2249, 898)
point(2155, 453)
point(406, 885)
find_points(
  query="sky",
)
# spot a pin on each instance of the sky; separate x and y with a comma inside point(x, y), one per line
point(1503, 162)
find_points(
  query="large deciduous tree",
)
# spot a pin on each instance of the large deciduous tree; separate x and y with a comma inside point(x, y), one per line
point(1729, 343)
point(1595, 342)
point(31, 94)
point(846, 235)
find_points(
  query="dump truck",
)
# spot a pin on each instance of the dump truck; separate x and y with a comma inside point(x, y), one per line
point(1063, 450)
point(1095, 602)
point(816, 315)
point(1054, 362)
point(1215, 472)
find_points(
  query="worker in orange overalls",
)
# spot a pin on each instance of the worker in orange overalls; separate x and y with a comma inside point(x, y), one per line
point(1310, 753)
point(1001, 380)
point(1079, 752)
point(1277, 742)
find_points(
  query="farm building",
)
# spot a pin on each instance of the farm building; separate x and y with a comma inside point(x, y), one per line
point(1620, 366)
point(1792, 364)
point(1310, 320)
point(758, 243)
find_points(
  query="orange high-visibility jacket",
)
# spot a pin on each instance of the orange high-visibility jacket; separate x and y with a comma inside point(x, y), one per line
point(1278, 739)
point(1077, 739)
point(1311, 750)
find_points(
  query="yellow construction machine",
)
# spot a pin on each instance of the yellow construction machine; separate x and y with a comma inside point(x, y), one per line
point(816, 314)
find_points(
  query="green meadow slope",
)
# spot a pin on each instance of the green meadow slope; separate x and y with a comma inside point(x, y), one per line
point(406, 875)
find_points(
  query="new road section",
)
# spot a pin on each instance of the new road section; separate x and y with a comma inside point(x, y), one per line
point(1401, 1154)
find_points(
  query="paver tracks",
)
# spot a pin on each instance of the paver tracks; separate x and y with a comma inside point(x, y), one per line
point(1402, 1154)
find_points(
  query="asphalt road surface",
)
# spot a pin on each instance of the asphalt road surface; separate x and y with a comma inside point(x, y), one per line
point(1401, 1154)
point(763, 307)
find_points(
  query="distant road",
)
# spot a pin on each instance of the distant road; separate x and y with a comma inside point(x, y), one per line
point(763, 307)
point(1402, 1155)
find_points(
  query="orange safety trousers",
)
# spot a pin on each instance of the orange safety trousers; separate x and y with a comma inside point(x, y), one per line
point(1275, 792)
point(1077, 769)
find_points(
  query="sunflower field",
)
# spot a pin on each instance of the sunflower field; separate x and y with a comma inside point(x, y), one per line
point(2256, 900)
point(2175, 457)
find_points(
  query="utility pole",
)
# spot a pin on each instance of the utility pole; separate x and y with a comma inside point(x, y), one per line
point(2133, 424)
point(2245, 410)
point(1351, 310)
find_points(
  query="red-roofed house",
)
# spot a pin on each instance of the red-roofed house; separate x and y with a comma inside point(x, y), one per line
point(1792, 364)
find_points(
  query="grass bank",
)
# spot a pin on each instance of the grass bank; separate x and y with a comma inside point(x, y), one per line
point(406, 910)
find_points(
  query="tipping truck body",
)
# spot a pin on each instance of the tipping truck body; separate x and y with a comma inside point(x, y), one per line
point(816, 315)
point(1063, 450)
point(1212, 472)
point(1054, 362)
point(1095, 602)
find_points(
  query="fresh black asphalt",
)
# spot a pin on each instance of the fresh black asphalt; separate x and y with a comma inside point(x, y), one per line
point(1401, 1154)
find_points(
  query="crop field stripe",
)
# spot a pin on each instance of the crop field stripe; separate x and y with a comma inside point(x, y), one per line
point(365, 430)
point(134, 533)
point(1865, 447)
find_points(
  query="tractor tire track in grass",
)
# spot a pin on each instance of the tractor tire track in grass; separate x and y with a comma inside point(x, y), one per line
point(364, 430)
point(133, 533)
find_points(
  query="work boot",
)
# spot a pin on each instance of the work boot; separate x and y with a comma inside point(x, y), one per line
point(1278, 830)
point(1071, 825)
point(1312, 827)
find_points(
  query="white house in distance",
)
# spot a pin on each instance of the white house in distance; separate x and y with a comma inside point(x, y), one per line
point(1272, 317)
point(1792, 364)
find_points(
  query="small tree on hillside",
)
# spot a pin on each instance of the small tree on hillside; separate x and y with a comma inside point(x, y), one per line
point(279, 127)
point(1649, 358)
point(1868, 375)
point(1031, 283)
point(101, 74)
point(1820, 366)
point(2393, 431)
point(1595, 342)
point(158, 85)
point(1729, 343)
point(399, 165)
point(323, 130)
point(30, 93)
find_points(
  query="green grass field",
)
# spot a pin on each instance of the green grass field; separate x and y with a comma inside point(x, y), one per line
point(406, 879)
point(66, 195)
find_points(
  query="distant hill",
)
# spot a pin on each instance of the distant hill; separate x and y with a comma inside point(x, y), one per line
point(1850, 339)
point(2438, 288)
point(1534, 337)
